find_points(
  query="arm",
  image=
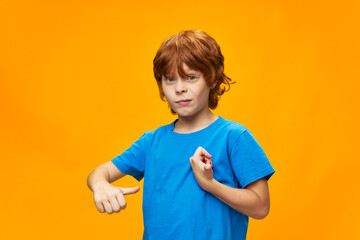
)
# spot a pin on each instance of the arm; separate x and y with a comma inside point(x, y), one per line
point(104, 174)
point(107, 197)
point(253, 200)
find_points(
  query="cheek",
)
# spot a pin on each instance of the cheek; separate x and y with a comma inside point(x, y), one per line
point(203, 94)
point(165, 91)
point(167, 94)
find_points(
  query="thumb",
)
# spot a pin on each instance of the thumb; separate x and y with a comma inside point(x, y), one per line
point(208, 164)
point(127, 191)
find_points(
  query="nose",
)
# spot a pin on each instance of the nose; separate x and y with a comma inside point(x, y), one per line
point(180, 87)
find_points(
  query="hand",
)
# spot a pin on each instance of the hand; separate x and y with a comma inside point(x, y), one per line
point(110, 198)
point(201, 165)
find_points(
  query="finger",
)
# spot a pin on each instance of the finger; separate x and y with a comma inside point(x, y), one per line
point(132, 190)
point(202, 152)
point(121, 201)
point(208, 165)
point(99, 206)
point(196, 159)
point(205, 153)
point(208, 161)
point(107, 207)
point(198, 152)
point(115, 204)
point(199, 161)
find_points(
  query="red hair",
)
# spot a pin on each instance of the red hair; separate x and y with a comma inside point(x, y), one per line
point(199, 52)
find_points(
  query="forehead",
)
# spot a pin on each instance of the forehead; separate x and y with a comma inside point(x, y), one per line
point(186, 69)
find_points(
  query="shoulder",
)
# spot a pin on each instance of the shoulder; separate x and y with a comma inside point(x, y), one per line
point(232, 128)
point(155, 133)
point(236, 135)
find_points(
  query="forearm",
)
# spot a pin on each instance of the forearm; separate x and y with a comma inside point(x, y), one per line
point(99, 175)
point(245, 201)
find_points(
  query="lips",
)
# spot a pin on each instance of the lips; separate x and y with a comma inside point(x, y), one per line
point(184, 100)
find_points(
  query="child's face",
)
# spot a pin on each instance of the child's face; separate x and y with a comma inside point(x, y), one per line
point(194, 89)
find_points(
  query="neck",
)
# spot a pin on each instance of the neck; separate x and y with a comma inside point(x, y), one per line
point(195, 123)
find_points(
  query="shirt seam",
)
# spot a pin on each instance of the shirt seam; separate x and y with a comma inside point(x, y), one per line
point(237, 140)
point(267, 170)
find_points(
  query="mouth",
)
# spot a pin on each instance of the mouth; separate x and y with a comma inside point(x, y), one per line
point(184, 101)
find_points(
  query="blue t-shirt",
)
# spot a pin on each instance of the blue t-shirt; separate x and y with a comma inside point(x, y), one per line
point(174, 205)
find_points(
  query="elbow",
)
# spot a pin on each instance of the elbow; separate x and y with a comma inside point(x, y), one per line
point(261, 213)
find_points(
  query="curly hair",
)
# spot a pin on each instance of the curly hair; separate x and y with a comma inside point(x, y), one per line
point(200, 52)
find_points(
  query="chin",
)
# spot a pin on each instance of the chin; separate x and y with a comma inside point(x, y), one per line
point(185, 114)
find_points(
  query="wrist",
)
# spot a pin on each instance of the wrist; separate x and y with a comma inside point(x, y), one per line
point(211, 186)
point(99, 184)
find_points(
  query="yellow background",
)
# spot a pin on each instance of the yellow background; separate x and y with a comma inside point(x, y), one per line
point(77, 88)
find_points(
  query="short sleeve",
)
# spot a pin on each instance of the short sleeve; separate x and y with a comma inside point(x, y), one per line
point(132, 160)
point(248, 160)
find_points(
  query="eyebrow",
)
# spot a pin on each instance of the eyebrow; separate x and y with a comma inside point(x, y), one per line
point(186, 72)
point(191, 71)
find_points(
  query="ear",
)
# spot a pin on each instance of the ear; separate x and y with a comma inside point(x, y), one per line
point(213, 84)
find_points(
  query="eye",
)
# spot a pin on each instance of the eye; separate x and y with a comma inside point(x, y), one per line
point(170, 79)
point(192, 77)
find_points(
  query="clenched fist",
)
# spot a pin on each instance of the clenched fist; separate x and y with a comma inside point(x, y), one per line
point(201, 165)
point(110, 198)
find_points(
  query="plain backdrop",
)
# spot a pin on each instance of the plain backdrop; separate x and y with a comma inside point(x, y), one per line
point(77, 89)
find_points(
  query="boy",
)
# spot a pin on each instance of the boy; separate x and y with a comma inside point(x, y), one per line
point(203, 175)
